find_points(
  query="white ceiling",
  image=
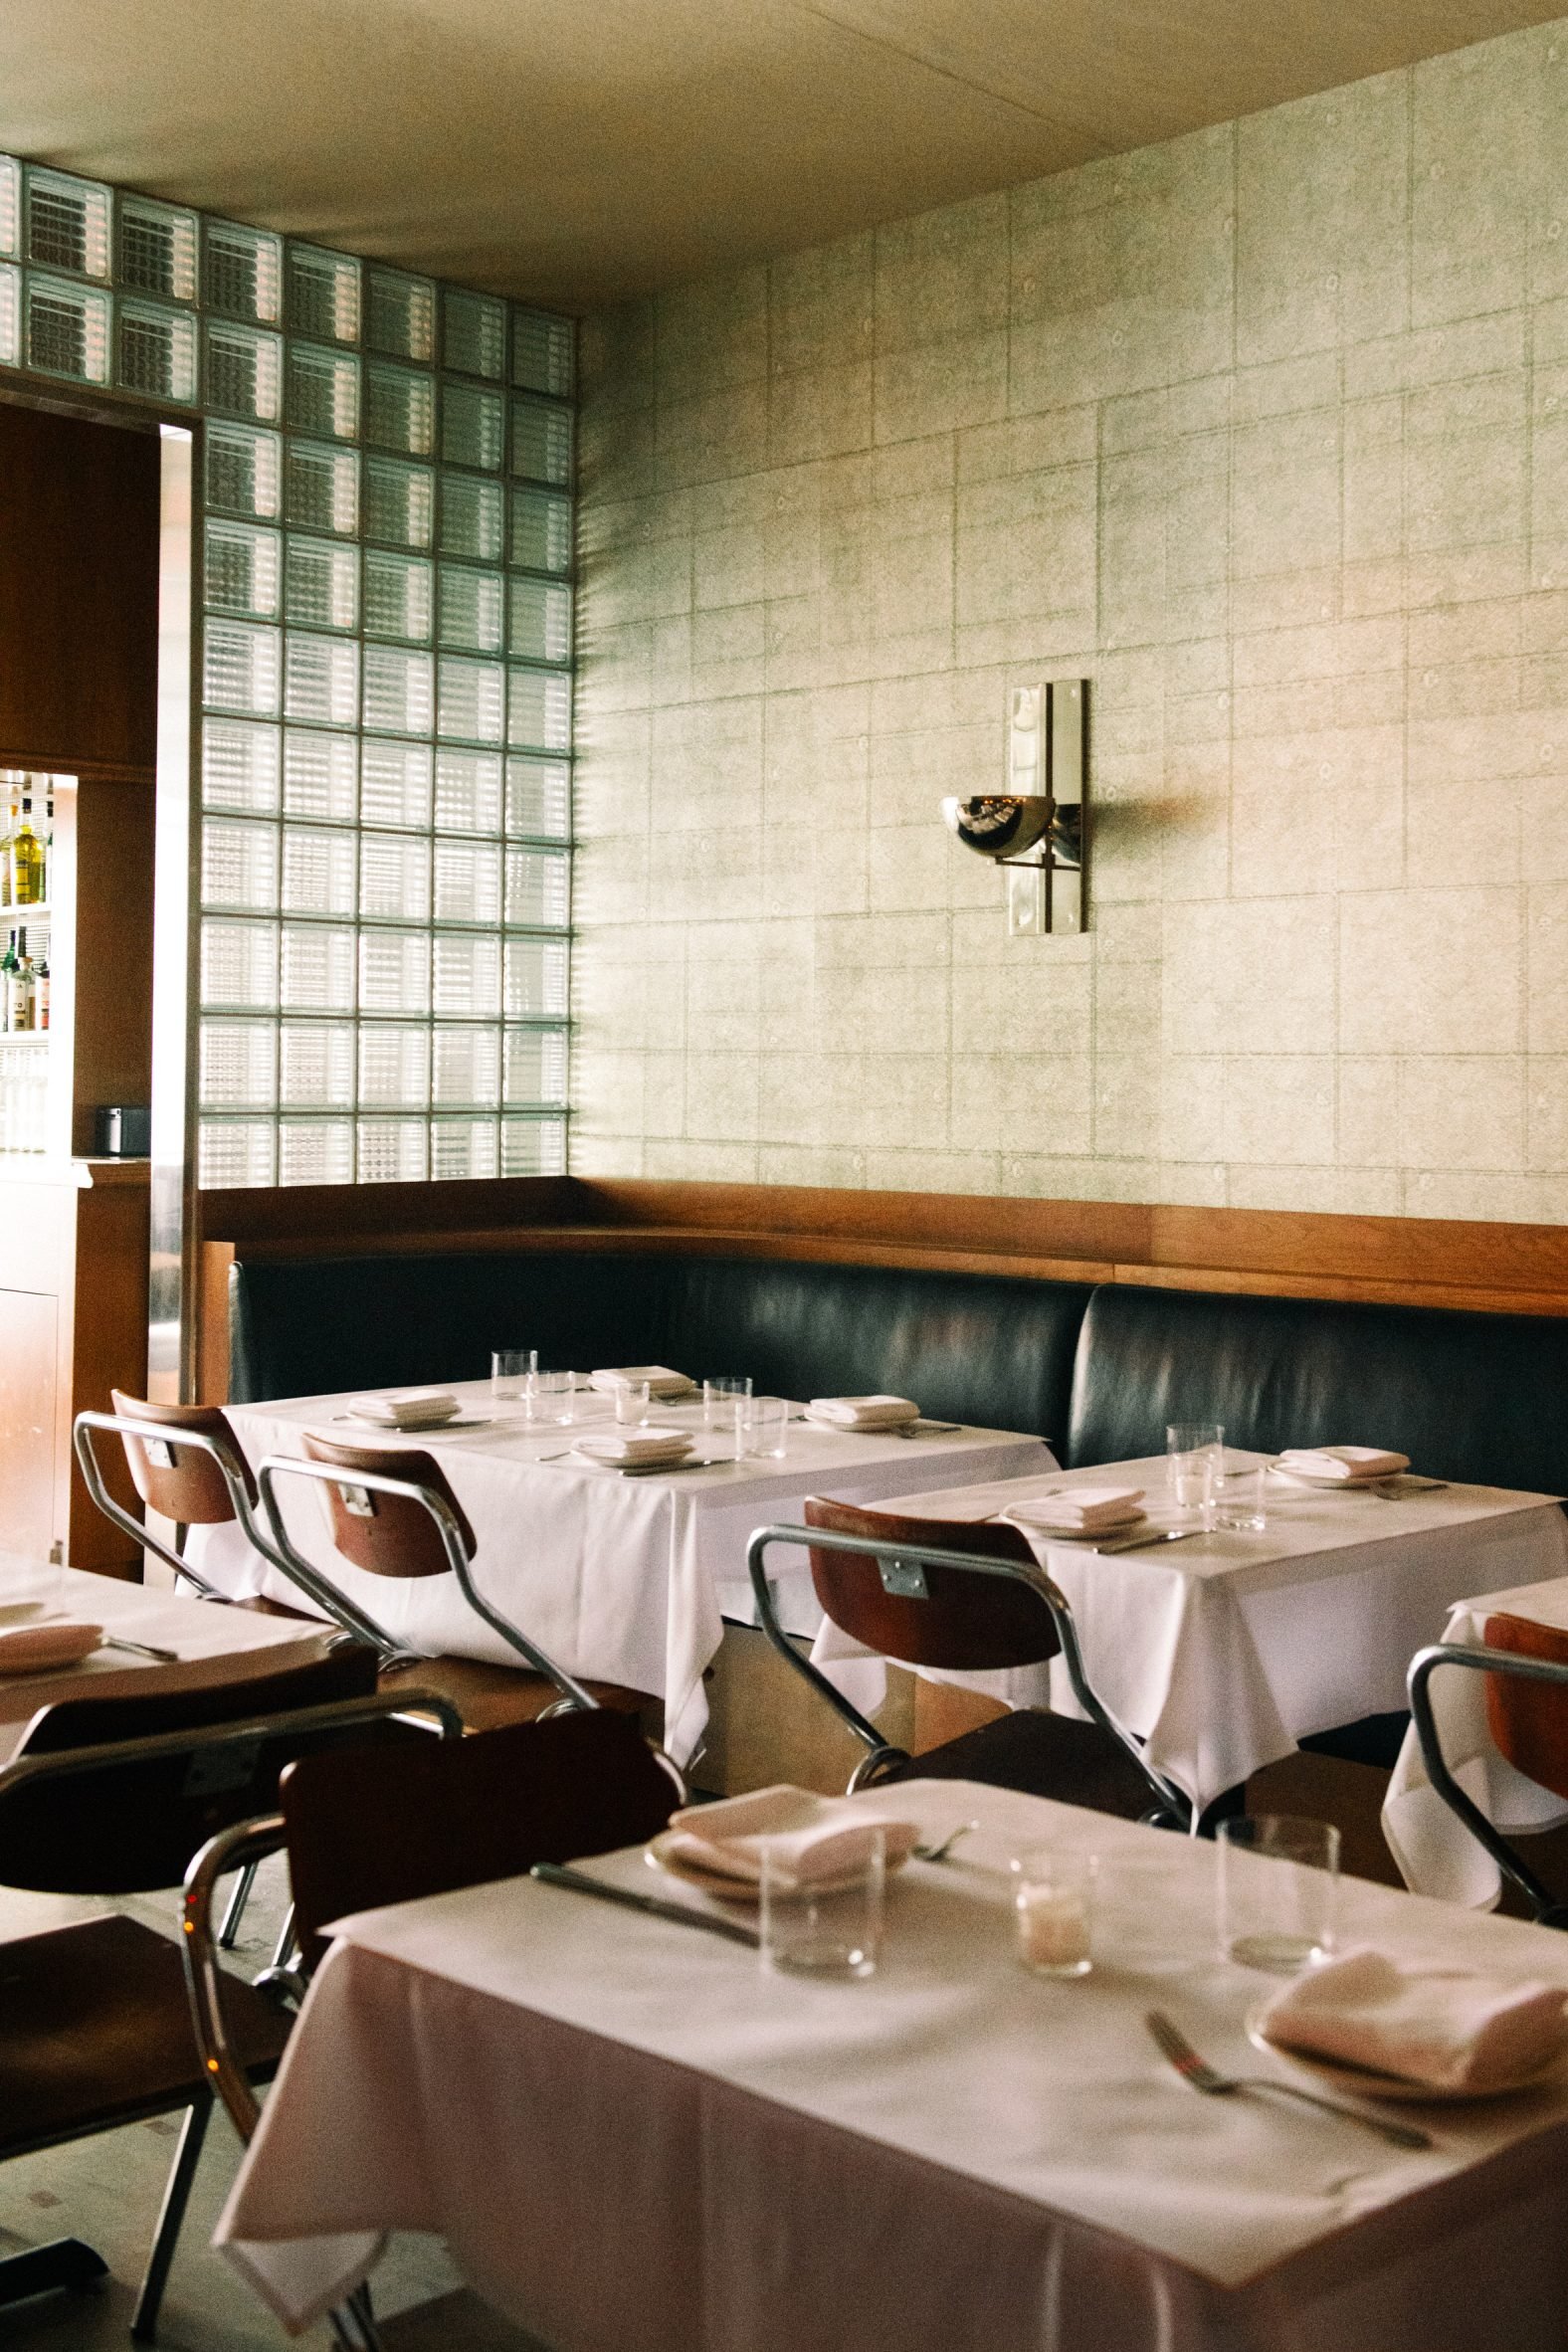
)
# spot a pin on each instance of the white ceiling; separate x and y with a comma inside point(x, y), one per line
point(579, 150)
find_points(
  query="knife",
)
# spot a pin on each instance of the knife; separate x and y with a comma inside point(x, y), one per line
point(1139, 1543)
point(579, 1883)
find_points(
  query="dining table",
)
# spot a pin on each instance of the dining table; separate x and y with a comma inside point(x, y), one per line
point(622, 1578)
point(1224, 1651)
point(635, 2139)
point(1435, 1853)
point(206, 1642)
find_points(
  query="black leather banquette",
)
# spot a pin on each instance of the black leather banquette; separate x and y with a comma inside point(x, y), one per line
point(1096, 1370)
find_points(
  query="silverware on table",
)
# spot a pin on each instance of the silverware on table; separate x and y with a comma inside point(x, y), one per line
point(940, 1853)
point(140, 1649)
point(579, 1883)
point(1139, 1543)
point(1174, 2046)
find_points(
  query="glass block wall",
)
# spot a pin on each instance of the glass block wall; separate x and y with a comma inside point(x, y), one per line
point(385, 664)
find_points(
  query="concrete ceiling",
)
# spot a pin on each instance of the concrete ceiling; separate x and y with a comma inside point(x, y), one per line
point(577, 151)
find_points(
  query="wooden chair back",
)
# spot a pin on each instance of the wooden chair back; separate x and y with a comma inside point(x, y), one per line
point(367, 1828)
point(112, 1816)
point(189, 1488)
point(388, 1534)
point(321, 1669)
point(1529, 1720)
point(967, 1624)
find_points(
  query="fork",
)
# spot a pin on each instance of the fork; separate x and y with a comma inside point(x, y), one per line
point(1174, 2046)
point(941, 1852)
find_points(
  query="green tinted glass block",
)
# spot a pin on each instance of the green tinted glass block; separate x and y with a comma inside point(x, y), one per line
point(318, 970)
point(391, 1151)
point(323, 391)
point(232, 1154)
point(534, 1067)
point(242, 272)
point(322, 584)
point(474, 333)
point(239, 963)
point(541, 531)
point(469, 607)
point(398, 596)
point(468, 791)
point(316, 1064)
point(470, 702)
point(542, 352)
point(541, 624)
point(541, 441)
point(399, 692)
point(319, 870)
point(538, 889)
point(10, 205)
point(158, 249)
point(534, 982)
point(242, 668)
point(238, 1065)
point(465, 1067)
point(467, 973)
point(239, 866)
point(244, 370)
point(67, 223)
point(472, 518)
point(400, 409)
point(316, 1151)
point(240, 768)
point(240, 573)
point(394, 1066)
point(394, 878)
point(539, 710)
point(400, 314)
point(538, 798)
point(463, 1147)
point(400, 503)
point(243, 471)
point(155, 350)
point(395, 785)
point(322, 487)
point(473, 426)
point(319, 776)
point(68, 329)
point(321, 680)
point(394, 971)
point(466, 881)
point(322, 294)
point(10, 315)
point(534, 1146)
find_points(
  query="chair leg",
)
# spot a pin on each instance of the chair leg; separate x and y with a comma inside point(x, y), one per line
point(353, 2323)
point(176, 2195)
point(229, 1932)
point(65, 2262)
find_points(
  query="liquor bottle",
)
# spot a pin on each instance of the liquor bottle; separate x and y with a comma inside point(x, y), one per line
point(49, 850)
point(26, 989)
point(5, 853)
point(43, 995)
point(8, 986)
point(27, 861)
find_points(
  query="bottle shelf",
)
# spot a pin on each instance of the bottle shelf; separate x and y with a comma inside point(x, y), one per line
point(18, 917)
point(25, 1036)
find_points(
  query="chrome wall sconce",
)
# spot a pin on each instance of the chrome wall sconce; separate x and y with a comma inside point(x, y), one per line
point(1038, 828)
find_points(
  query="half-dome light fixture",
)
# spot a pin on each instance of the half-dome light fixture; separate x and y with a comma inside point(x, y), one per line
point(1037, 827)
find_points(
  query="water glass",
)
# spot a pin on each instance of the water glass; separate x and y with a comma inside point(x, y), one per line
point(722, 1397)
point(511, 1371)
point(1053, 1910)
point(1277, 1890)
point(759, 1427)
point(822, 1929)
point(552, 1397)
point(1192, 1449)
point(632, 1404)
point(1239, 1496)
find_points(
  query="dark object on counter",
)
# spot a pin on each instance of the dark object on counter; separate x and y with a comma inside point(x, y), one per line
point(122, 1132)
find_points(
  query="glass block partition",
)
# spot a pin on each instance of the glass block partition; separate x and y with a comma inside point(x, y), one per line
point(385, 665)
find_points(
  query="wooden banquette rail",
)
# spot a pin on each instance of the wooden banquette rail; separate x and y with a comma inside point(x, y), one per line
point(1418, 1262)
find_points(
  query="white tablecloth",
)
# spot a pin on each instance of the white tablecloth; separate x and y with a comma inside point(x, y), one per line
point(622, 1580)
point(1435, 1852)
point(633, 2141)
point(205, 1633)
point(1224, 1652)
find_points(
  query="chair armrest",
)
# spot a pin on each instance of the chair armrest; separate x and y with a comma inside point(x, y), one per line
point(1477, 1659)
point(230, 1849)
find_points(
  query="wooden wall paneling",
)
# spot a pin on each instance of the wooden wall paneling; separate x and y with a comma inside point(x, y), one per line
point(108, 1350)
point(79, 577)
point(112, 1025)
point(28, 1358)
point(214, 1261)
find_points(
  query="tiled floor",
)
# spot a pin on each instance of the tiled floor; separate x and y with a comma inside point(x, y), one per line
point(107, 2190)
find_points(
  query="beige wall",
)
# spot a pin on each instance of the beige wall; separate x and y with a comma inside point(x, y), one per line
point(1267, 433)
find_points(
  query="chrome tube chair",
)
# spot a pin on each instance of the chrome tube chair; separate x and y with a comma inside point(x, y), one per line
point(98, 2023)
point(410, 1525)
point(1526, 1669)
point(973, 1601)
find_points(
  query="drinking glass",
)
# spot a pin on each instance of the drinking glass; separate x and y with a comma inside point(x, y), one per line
point(1277, 1890)
point(1192, 1449)
point(759, 1427)
point(1239, 1496)
point(553, 1397)
point(1053, 1910)
point(631, 1404)
point(511, 1371)
point(721, 1396)
point(826, 1929)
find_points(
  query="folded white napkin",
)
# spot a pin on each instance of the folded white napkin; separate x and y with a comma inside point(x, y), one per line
point(662, 1382)
point(636, 1444)
point(408, 1407)
point(1345, 1463)
point(1446, 2028)
point(28, 1649)
point(818, 1837)
point(1086, 1510)
point(863, 1411)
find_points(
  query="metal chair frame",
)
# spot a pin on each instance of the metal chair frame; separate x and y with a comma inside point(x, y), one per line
point(68, 2263)
point(1549, 1911)
point(334, 1607)
point(900, 1567)
point(363, 1483)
